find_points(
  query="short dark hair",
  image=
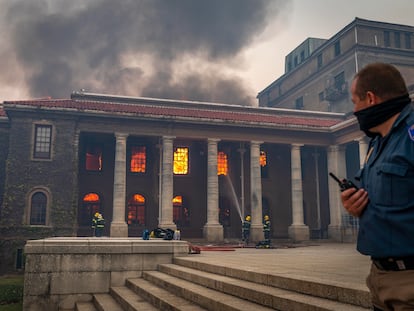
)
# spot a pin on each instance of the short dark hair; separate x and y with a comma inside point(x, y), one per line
point(384, 80)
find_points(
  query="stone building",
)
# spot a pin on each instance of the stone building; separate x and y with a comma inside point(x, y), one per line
point(146, 163)
point(318, 72)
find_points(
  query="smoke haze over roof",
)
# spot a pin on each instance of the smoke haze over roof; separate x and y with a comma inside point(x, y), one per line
point(180, 49)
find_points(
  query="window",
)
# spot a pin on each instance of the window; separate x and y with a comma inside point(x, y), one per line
point(295, 61)
point(222, 163)
point(93, 161)
point(320, 61)
point(136, 210)
point(181, 161)
point(302, 56)
point(42, 141)
point(387, 41)
point(397, 39)
point(91, 204)
point(321, 96)
point(299, 103)
point(339, 80)
point(337, 48)
point(263, 164)
point(181, 215)
point(138, 159)
point(407, 40)
point(38, 207)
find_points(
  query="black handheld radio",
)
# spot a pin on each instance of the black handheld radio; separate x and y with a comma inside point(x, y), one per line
point(344, 183)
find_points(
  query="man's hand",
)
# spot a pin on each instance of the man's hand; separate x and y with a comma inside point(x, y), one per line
point(354, 201)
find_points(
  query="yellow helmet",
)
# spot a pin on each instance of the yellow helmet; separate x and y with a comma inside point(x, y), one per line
point(248, 217)
point(97, 214)
point(266, 217)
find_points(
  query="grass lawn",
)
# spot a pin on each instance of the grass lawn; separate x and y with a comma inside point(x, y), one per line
point(11, 292)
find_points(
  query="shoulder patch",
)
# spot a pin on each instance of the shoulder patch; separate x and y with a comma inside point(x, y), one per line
point(411, 132)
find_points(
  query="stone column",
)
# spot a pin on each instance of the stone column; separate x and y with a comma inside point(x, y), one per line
point(336, 165)
point(298, 231)
point(256, 231)
point(119, 228)
point(167, 188)
point(213, 230)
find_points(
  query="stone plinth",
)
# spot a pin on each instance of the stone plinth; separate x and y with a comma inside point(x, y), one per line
point(61, 271)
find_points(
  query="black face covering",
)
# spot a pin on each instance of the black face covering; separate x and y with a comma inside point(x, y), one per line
point(378, 114)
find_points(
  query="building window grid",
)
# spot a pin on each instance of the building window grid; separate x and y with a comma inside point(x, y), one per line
point(397, 39)
point(222, 163)
point(138, 159)
point(181, 161)
point(387, 41)
point(408, 40)
point(43, 139)
point(337, 48)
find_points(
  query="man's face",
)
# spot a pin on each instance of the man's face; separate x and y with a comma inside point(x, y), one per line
point(359, 103)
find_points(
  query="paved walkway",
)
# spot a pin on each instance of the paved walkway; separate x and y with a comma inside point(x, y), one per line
point(330, 263)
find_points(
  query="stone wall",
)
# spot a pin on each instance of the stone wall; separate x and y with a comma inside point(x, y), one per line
point(61, 271)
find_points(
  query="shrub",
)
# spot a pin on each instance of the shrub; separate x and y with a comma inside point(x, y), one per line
point(11, 289)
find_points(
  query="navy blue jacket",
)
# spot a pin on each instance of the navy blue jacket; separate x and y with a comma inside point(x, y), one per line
point(387, 224)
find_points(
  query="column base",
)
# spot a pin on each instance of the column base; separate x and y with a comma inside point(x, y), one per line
point(256, 233)
point(119, 230)
point(213, 233)
point(299, 232)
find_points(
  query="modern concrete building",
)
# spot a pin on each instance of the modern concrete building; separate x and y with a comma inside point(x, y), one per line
point(318, 72)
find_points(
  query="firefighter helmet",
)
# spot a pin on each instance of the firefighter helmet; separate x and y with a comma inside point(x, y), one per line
point(248, 218)
point(266, 217)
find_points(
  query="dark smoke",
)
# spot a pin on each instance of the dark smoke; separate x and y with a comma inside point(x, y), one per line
point(132, 47)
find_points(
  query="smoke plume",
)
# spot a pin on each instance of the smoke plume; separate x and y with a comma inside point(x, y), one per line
point(181, 49)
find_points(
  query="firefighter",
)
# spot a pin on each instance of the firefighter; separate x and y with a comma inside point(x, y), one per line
point(266, 229)
point(246, 229)
point(98, 224)
point(94, 220)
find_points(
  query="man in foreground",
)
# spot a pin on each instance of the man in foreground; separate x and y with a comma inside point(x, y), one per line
point(385, 201)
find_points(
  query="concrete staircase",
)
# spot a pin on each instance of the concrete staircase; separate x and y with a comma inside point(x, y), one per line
point(191, 285)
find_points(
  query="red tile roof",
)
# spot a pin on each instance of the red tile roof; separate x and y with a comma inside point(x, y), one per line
point(205, 112)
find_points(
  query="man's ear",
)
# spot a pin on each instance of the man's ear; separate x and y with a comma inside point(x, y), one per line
point(372, 98)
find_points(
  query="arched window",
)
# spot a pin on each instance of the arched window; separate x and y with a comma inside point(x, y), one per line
point(181, 213)
point(136, 210)
point(91, 204)
point(38, 207)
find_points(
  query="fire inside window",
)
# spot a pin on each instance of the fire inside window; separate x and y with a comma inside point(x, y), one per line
point(181, 161)
point(222, 163)
point(263, 159)
point(93, 158)
point(91, 205)
point(136, 210)
point(138, 159)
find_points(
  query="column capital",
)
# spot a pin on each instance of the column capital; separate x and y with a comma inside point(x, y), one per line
point(120, 135)
point(213, 140)
point(295, 145)
point(256, 142)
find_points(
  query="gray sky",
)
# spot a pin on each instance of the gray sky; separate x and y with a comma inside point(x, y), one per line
point(215, 50)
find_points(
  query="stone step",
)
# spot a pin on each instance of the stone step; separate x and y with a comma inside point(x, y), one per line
point(296, 283)
point(85, 306)
point(129, 300)
point(205, 297)
point(161, 298)
point(105, 302)
point(269, 296)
